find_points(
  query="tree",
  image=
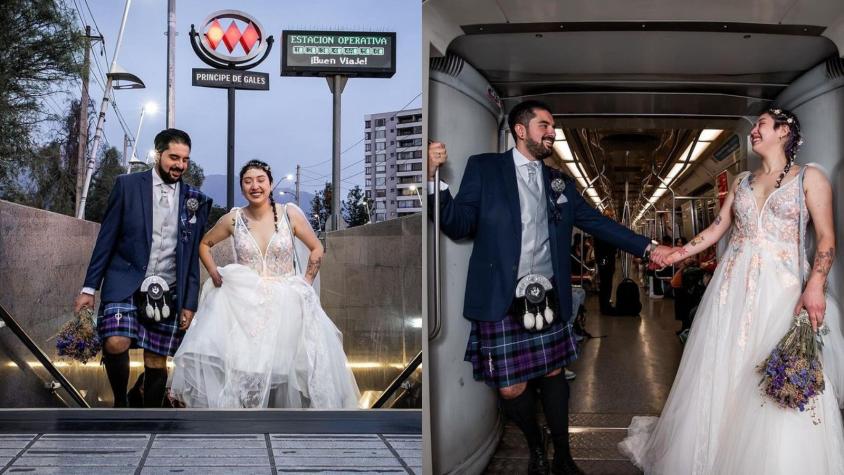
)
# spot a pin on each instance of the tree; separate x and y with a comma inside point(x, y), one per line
point(195, 175)
point(320, 207)
point(214, 215)
point(355, 208)
point(45, 177)
point(101, 184)
point(46, 51)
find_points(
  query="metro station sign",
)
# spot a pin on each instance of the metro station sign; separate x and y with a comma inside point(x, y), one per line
point(331, 53)
point(231, 39)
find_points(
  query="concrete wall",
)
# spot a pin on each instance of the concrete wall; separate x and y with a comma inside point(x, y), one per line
point(371, 288)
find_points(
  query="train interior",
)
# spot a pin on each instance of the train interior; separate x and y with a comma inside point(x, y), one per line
point(653, 103)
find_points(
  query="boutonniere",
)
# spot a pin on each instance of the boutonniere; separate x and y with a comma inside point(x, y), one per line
point(191, 205)
point(192, 202)
point(558, 186)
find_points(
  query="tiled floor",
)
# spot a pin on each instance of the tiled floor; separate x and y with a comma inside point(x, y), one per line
point(153, 454)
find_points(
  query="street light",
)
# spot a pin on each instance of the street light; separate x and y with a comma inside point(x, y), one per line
point(152, 108)
point(363, 201)
point(117, 78)
point(415, 189)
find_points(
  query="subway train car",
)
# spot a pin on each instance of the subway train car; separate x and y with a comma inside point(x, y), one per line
point(653, 103)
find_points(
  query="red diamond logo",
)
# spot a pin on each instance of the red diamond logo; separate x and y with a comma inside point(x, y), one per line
point(232, 36)
point(214, 34)
point(249, 38)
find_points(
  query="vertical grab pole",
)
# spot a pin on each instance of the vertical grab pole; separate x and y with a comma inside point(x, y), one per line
point(437, 326)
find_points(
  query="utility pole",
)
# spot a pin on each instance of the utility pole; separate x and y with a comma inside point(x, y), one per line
point(82, 147)
point(298, 177)
point(171, 64)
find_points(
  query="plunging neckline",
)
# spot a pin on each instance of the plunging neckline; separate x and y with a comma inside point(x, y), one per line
point(255, 241)
point(759, 210)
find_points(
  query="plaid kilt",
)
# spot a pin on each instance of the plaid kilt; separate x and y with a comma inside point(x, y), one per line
point(504, 353)
point(123, 319)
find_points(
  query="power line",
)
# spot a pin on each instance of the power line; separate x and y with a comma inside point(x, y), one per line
point(364, 138)
point(92, 18)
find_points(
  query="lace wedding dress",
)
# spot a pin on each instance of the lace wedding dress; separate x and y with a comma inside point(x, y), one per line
point(716, 420)
point(262, 339)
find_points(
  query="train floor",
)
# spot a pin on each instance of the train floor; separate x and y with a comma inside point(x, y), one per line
point(105, 441)
point(626, 370)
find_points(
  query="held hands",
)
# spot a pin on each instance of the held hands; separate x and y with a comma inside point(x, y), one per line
point(437, 155)
point(814, 301)
point(83, 301)
point(660, 256)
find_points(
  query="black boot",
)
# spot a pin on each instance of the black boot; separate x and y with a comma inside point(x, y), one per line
point(117, 370)
point(155, 382)
point(136, 393)
point(554, 392)
point(522, 411)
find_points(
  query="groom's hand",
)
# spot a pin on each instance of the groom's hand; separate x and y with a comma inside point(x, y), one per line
point(437, 155)
point(186, 318)
point(83, 301)
point(659, 255)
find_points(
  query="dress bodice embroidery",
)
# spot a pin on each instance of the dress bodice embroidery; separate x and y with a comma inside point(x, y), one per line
point(277, 260)
point(776, 222)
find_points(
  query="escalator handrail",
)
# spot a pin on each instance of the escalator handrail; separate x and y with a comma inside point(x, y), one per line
point(42, 357)
point(396, 383)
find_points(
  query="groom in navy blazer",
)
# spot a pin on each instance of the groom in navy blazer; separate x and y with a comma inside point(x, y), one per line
point(520, 214)
point(152, 227)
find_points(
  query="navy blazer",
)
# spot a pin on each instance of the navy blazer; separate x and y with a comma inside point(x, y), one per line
point(487, 209)
point(120, 257)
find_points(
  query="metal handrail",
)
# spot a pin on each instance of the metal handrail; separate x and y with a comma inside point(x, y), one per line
point(42, 357)
point(436, 328)
point(396, 383)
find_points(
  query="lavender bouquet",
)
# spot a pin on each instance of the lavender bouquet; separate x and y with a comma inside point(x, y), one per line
point(792, 375)
point(78, 338)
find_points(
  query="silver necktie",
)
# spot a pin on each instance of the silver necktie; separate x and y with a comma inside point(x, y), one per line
point(164, 202)
point(532, 171)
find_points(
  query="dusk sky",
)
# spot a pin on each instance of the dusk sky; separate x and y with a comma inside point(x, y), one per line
point(290, 123)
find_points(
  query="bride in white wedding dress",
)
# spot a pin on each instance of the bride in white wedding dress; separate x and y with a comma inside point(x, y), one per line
point(260, 337)
point(716, 420)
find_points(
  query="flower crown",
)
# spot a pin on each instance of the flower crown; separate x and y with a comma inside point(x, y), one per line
point(258, 164)
point(789, 118)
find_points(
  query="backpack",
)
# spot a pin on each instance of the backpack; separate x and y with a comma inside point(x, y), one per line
point(627, 298)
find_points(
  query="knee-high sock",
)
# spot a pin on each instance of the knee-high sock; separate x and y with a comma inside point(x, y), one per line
point(117, 370)
point(155, 381)
point(522, 411)
point(554, 392)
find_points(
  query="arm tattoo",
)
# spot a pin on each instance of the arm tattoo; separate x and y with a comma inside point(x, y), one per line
point(697, 240)
point(682, 251)
point(313, 267)
point(823, 261)
point(209, 243)
point(717, 220)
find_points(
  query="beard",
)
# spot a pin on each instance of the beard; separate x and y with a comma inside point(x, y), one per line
point(165, 175)
point(538, 149)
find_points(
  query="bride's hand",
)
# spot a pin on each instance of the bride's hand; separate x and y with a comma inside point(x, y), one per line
point(216, 278)
point(814, 301)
